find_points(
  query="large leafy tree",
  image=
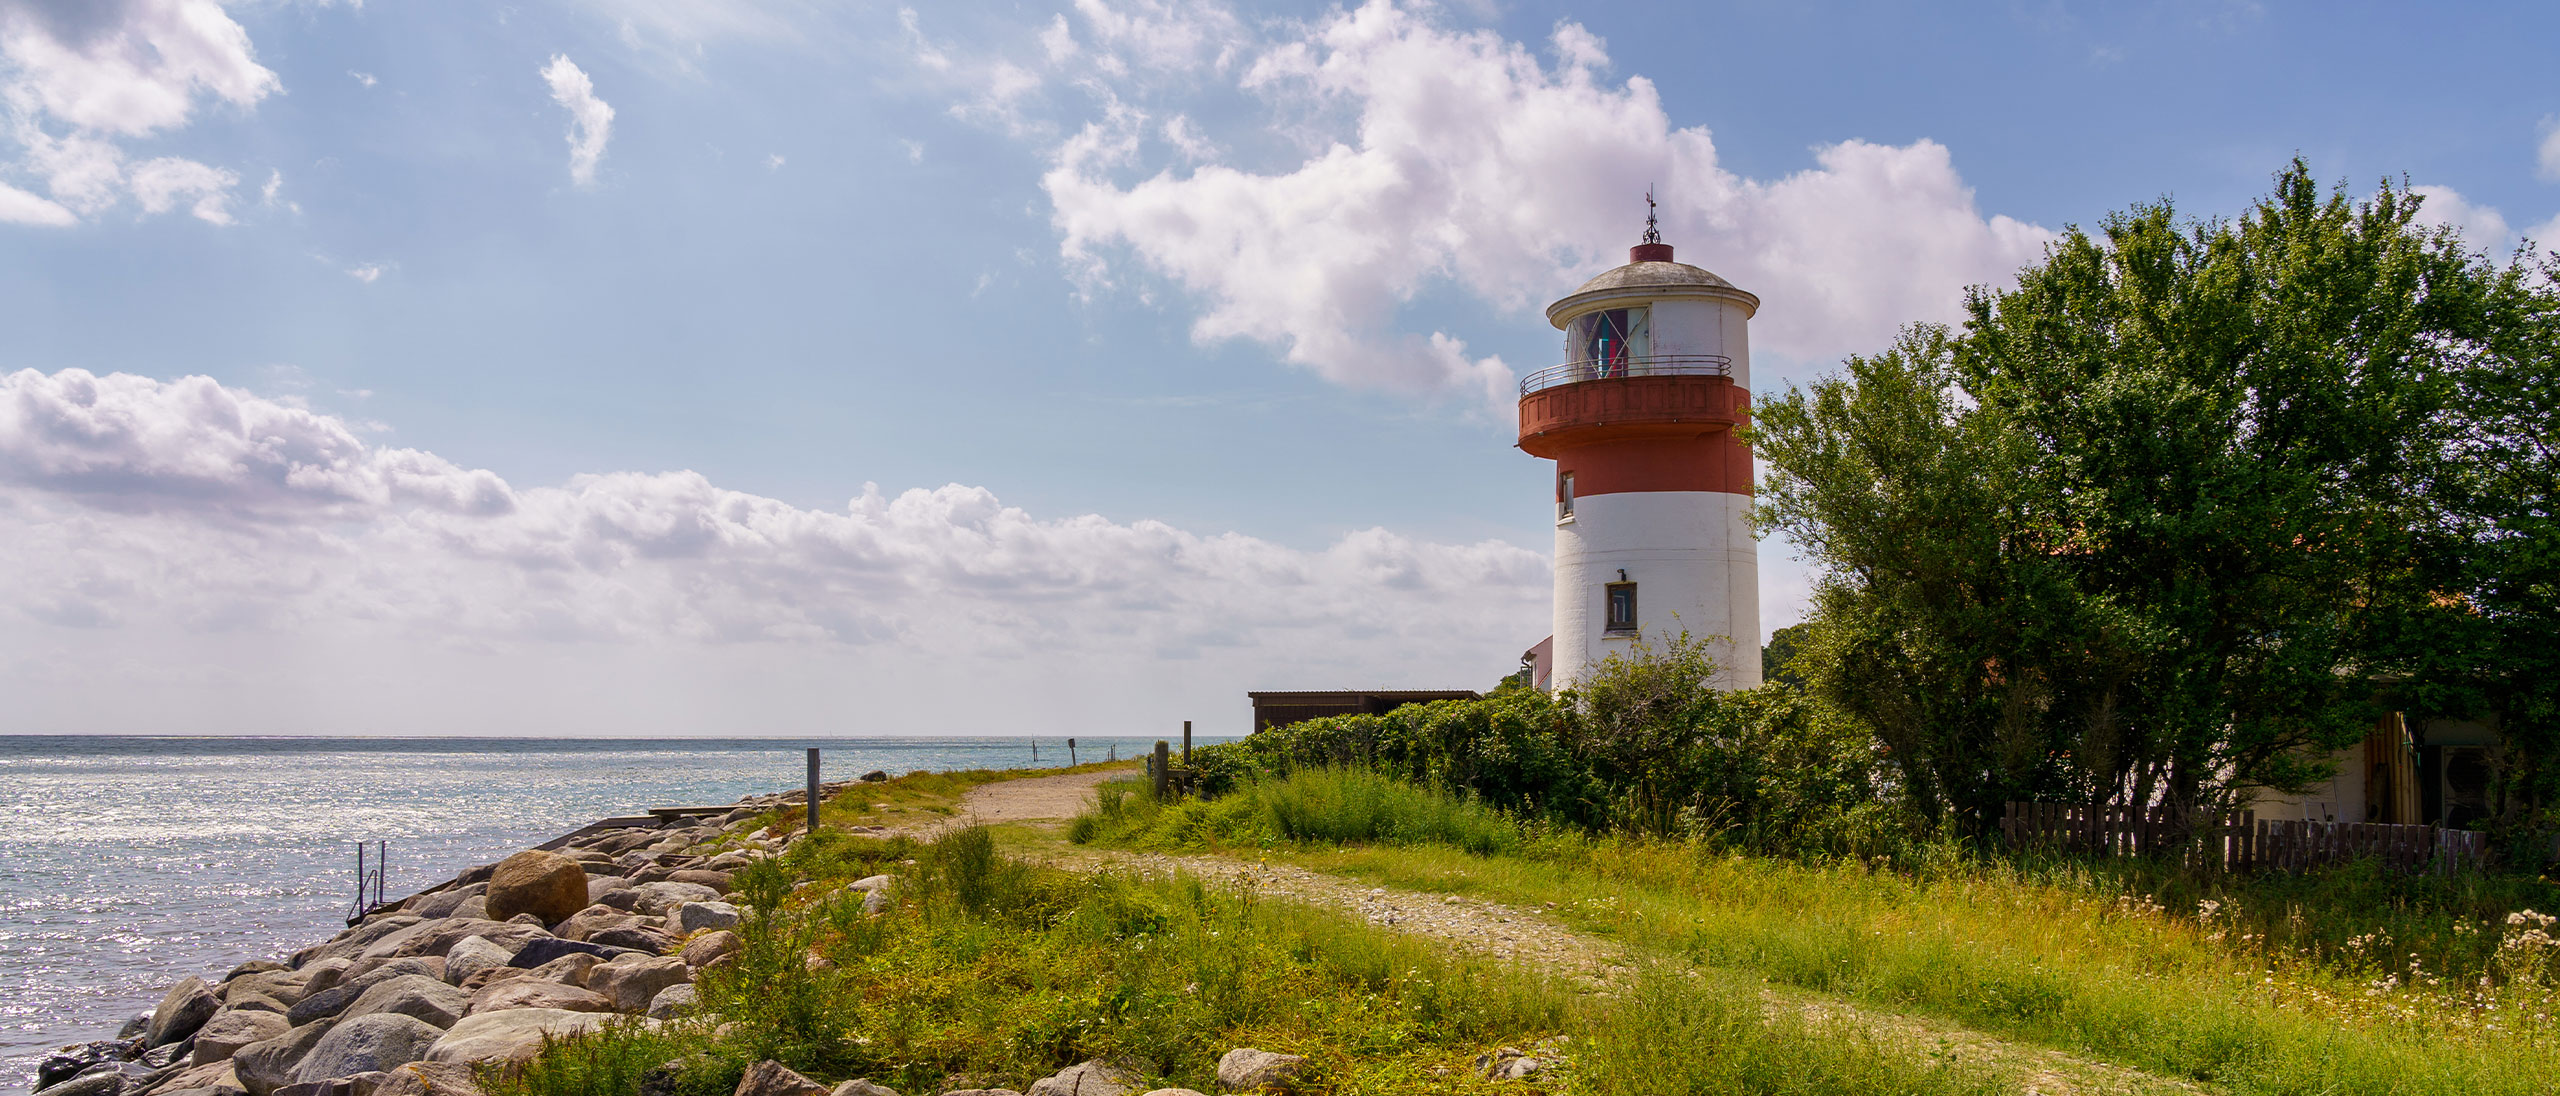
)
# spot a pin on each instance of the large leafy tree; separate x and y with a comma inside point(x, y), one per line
point(2137, 531)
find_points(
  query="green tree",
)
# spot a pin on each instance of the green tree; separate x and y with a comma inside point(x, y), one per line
point(2135, 532)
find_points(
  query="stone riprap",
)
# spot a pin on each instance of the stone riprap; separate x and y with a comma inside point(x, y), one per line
point(477, 970)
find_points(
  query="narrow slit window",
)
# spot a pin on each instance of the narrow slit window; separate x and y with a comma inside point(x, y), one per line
point(1622, 608)
point(1564, 496)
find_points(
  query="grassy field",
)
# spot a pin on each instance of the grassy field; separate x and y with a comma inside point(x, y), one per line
point(2346, 982)
point(993, 972)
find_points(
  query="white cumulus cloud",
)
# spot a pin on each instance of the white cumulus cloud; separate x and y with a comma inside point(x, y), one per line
point(79, 80)
point(590, 118)
point(1438, 157)
point(157, 510)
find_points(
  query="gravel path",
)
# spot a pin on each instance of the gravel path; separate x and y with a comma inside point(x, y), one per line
point(1531, 937)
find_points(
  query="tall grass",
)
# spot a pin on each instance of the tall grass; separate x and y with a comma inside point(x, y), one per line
point(1323, 805)
point(989, 972)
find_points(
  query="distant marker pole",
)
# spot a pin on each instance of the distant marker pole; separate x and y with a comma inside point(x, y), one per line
point(1071, 753)
point(1186, 743)
point(813, 789)
point(1162, 770)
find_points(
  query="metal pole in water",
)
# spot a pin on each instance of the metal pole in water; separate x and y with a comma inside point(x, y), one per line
point(813, 789)
point(1071, 752)
point(381, 869)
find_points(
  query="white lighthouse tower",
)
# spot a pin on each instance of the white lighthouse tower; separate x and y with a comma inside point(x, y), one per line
point(1652, 488)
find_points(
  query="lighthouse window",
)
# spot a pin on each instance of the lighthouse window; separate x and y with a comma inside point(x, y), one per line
point(1622, 608)
point(1564, 496)
point(1609, 338)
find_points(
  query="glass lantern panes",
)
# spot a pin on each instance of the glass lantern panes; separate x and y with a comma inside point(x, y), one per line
point(1610, 340)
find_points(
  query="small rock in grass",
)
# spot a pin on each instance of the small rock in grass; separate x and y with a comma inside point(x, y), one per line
point(1245, 1069)
point(672, 1002)
point(430, 1079)
point(1094, 1078)
point(1173, 1092)
point(860, 1086)
point(711, 947)
point(693, 917)
point(633, 980)
point(772, 1078)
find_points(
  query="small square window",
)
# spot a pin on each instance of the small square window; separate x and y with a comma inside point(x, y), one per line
point(1564, 496)
point(1622, 608)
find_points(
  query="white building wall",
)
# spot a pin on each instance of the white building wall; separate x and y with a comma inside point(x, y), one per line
point(1695, 566)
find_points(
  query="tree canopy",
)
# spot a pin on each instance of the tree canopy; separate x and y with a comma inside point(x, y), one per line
point(2185, 509)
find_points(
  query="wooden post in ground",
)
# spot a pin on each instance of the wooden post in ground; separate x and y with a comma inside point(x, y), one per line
point(1186, 743)
point(1160, 767)
point(813, 789)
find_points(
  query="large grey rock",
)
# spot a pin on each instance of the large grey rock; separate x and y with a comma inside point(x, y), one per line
point(361, 1084)
point(639, 938)
point(324, 974)
point(1094, 1078)
point(430, 1079)
point(265, 1065)
point(1245, 1069)
point(412, 995)
point(632, 980)
point(546, 885)
point(657, 898)
point(471, 956)
point(72, 1061)
point(600, 885)
point(711, 947)
point(105, 1082)
point(368, 1043)
point(188, 1005)
point(671, 1002)
point(203, 1080)
point(772, 1078)
point(439, 936)
point(281, 986)
point(579, 925)
point(233, 1028)
point(335, 999)
point(352, 942)
point(693, 917)
point(567, 970)
point(510, 1037)
point(442, 903)
point(538, 952)
point(530, 993)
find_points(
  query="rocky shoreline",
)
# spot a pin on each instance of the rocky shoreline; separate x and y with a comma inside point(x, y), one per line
point(413, 998)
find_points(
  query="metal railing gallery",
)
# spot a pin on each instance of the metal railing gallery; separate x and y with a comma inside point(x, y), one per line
point(1604, 369)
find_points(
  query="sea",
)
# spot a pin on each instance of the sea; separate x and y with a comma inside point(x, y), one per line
point(128, 863)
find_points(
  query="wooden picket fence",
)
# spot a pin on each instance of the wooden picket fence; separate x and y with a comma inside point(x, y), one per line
point(2241, 841)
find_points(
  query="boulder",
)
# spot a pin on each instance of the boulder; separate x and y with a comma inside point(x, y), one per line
point(368, 1043)
point(693, 917)
point(1514, 1069)
point(233, 1028)
point(254, 966)
point(540, 951)
point(860, 1086)
point(413, 995)
point(547, 885)
point(483, 979)
point(281, 986)
point(875, 901)
point(430, 1079)
point(772, 1078)
point(579, 925)
point(475, 907)
point(567, 970)
point(875, 882)
point(1094, 1078)
point(529, 993)
point(625, 898)
point(633, 980)
point(209, 1078)
point(105, 1082)
point(705, 876)
point(711, 947)
point(352, 942)
point(442, 903)
point(265, 1065)
point(1173, 1092)
point(510, 1037)
point(600, 885)
point(657, 898)
point(439, 936)
point(640, 938)
point(982, 1092)
point(472, 955)
point(671, 1002)
point(72, 1061)
point(334, 1000)
point(188, 1005)
point(1245, 1069)
point(361, 1084)
point(323, 974)
point(875, 776)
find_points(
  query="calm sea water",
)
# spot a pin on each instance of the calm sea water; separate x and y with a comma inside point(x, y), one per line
point(129, 863)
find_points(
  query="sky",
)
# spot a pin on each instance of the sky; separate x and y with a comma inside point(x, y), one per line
point(645, 367)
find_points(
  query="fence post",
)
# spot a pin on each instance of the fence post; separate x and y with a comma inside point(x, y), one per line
point(813, 789)
point(1186, 743)
point(1162, 770)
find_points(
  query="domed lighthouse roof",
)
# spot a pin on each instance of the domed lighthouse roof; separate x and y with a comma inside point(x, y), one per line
point(1650, 275)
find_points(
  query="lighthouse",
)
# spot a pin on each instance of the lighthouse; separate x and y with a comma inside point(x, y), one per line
point(1652, 487)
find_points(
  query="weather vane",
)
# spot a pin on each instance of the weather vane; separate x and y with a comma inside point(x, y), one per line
point(1652, 227)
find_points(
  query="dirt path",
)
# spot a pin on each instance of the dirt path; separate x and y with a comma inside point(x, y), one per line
point(1530, 937)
